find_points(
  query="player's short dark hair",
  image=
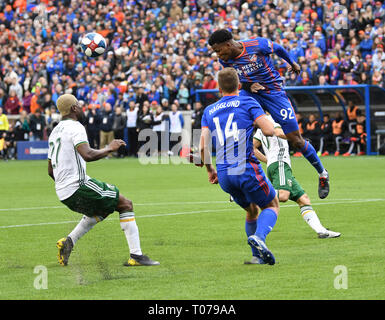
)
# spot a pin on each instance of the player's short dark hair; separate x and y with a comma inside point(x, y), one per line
point(220, 36)
point(228, 80)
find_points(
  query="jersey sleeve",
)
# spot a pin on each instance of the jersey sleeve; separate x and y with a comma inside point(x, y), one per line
point(255, 110)
point(265, 46)
point(204, 123)
point(79, 135)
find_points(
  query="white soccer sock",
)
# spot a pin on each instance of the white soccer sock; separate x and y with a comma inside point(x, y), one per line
point(131, 231)
point(324, 174)
point(84, 225)
point(311, 218)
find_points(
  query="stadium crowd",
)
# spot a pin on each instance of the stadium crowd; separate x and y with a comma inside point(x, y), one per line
point(158, 56)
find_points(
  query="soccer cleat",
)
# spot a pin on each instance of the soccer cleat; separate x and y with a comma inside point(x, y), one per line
point(140, 260)
point(346, 154)
point(297, 154)
point(362, 153)
point(323, 187)
point(325, 154)
point(231, 199)
point(263, 252)
point(255, 260)
point(328, 234)
point(65, 246)
point(336, 154)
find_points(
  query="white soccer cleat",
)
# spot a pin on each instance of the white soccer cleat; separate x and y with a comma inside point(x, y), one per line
point(328, 234)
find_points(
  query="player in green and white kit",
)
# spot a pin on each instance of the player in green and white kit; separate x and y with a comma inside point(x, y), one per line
point(277, 158)
point(68, 153)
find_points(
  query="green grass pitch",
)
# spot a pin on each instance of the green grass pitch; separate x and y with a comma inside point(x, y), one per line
point(197, 235)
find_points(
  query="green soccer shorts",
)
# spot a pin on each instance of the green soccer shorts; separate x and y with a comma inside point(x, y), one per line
point(94, 198)
point(281, 177)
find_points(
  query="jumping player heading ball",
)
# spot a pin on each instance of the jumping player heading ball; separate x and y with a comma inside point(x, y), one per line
point(261, 81)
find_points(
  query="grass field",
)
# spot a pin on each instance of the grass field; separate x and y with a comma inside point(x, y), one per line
point(196, 234)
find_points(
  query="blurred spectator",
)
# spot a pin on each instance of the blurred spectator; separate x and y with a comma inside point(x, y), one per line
point(12, 105)
point(340, 131)
point(9, 144)
point(22, 128)
point(141, 97)
point(196, 124)
point(313, 131)
point(326, 141)
point(52, 118)
point(106, 123)
point(4, 124)
point(352, 111)
point(176, 126)
point(92, 124)
point(209, 83)
point(3, 97)
point(37, 125)
point(145, 121)
point(160, 126)
point(183, 96)
point(360, 134)
point(26, 102)
point(132, 117)
point(118, 128)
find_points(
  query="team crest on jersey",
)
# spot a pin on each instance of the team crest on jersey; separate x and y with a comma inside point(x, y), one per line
point(254, 58)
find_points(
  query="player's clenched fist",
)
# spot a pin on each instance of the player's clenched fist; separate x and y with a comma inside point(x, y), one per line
point(116, 144)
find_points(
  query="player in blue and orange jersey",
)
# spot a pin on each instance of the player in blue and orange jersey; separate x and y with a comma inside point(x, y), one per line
point(261, 81)
point(229, 125)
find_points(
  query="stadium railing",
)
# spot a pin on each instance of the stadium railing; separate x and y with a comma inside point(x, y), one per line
point(333, 98)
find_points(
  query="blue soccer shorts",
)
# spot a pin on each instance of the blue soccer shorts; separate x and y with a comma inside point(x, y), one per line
point(278, 105)
point(252, 186)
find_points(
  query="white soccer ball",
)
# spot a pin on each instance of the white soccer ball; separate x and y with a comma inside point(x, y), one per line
point(93, 44)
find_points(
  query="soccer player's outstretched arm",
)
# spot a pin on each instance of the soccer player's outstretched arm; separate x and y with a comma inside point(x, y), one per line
point(283, 54)
point(268, 47)
point(89, 154)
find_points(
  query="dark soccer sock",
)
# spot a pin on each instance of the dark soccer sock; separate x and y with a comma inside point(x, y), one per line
point(265, 223)
point(310, 154)
point(251, 227)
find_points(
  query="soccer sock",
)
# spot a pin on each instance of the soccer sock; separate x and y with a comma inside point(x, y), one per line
point(310, 154)
point(131, 231)
point(84, 225)
point(250, 228)
point(311, 218)
point(265, 223)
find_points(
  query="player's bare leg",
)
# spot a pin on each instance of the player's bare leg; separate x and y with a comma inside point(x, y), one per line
point(310, 154)
point(131, 231)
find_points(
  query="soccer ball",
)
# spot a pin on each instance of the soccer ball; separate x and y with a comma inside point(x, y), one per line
point(93, 44)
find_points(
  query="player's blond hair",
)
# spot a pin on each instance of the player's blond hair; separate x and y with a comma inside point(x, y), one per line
point(228, 80)
point(65, 102)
